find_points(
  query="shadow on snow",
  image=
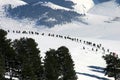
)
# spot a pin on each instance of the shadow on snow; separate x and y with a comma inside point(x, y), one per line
point(94, 69)
point(97, 69)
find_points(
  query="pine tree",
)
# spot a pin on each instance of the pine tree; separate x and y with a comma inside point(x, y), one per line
point(51, 65)
point(66, 64)
point(2, 54)
point(2, 67)
point(35, 58)
point(6, 54)
point(113, 65)
point(29, 60)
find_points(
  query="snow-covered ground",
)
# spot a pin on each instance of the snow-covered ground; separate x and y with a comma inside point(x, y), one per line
point(54, 6)
point(101, 25)
point(14, 3)
point(82, 6)
point(94, 26)
point(102, 21)
point(88, 64)
point(110, 8)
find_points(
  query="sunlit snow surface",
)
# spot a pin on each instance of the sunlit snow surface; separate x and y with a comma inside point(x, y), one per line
point(96, 24)
point(88, 64)
point(102, 21)
point(14, 3)
point(110, 8)
point(100, 25)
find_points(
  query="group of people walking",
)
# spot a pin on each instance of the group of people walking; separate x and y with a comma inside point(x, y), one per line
point(95, 47)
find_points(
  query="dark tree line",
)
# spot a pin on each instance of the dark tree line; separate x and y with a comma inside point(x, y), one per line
point(21, 59)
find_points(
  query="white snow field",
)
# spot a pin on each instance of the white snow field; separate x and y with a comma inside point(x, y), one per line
point(101, 21)
point(88, 64)
point(110, 8)
point(83, 6)
point(101, 25)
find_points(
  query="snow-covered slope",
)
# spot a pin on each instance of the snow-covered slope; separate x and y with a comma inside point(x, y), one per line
point(13, 3)
point(49, 13)
point(110, 8)
point(88, 64)
point(100, 22)
point(54, 6)
point(93, 26)
point(100, 25)
point(82, 6)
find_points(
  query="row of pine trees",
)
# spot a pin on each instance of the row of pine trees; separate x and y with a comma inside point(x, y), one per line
point(21, 59)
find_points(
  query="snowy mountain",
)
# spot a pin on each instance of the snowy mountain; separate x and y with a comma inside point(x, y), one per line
point(106, 9)
point(44, 15)
point(50, 12)
point(74, 17)
point(88, 20)
point(13, 3)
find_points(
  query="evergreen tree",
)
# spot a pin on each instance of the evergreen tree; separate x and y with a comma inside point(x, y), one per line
point(6, 55)
point(2, 54)
point(2, 67)
point(51, 65)
point(29, 60)
point(66, 64)
point(113, 65)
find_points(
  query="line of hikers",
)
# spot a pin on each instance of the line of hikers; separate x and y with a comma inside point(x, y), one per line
point(97, 46)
